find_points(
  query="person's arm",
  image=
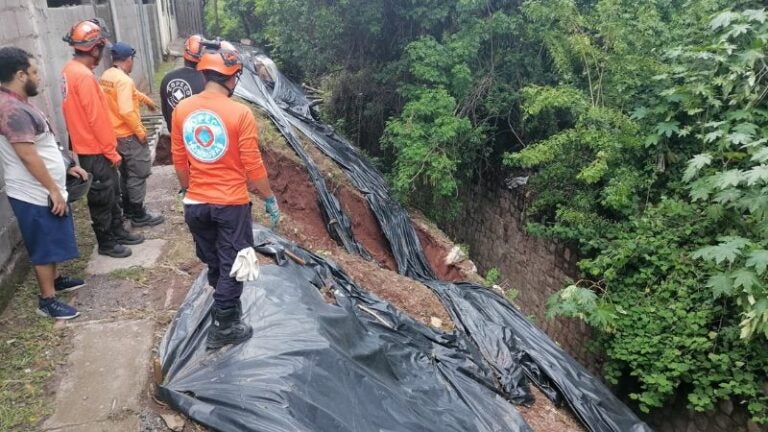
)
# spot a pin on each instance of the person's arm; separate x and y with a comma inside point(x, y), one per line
point(165, 107)
point(18, 127)
point(35, 165)
point(96, 115)
point(179, 152)
point(255, 171)
point(124, 89)
point(77, 171)
point(260, 187)
point(145, 100)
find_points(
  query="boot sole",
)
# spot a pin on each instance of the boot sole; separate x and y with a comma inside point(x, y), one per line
point(114, 255)
point(216, 345)
point(131, 242)
point(146, 224)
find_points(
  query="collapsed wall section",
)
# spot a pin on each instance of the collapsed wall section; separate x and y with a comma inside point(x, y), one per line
point(492, 224)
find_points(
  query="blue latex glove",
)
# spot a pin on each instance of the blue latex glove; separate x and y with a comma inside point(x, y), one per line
point(270, 205)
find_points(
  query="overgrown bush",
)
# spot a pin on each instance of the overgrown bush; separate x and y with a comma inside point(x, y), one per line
point(669, 203)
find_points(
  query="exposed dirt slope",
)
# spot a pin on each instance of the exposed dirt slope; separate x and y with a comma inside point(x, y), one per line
point(304, 224)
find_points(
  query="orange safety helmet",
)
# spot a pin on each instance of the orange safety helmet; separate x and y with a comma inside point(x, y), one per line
point(225, 61)
point(85, 35)
point(193, 48)
point(226, 46)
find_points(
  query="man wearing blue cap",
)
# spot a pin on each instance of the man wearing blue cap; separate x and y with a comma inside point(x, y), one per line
point(124, 102)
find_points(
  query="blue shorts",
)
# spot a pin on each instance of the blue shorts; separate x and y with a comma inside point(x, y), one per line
point(49, 239)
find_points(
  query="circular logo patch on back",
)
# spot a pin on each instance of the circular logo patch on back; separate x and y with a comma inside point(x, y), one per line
point(204, 136)
point(177, 90)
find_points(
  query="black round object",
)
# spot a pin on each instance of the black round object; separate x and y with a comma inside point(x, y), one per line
point(77, 187)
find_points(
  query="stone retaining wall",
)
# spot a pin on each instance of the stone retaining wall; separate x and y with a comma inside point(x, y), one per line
point(492, 225)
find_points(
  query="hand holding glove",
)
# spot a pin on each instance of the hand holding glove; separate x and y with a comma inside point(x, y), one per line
point(270, 205)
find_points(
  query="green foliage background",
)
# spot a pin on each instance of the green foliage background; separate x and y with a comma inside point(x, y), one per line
point(644, 127)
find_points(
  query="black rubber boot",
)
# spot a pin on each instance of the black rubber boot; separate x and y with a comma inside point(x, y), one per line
point(124, 237)
point(109, 246)
point(127, 209)
point(227, 328)
point(140, 217)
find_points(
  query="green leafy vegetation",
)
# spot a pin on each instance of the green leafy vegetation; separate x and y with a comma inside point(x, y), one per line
point(31, 346)
point(666, 198)
point(493, 276)
point(643, 127)
point(511, 294)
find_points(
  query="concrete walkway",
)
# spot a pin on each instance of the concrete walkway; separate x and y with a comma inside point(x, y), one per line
point(103, 385)
point(125, 306)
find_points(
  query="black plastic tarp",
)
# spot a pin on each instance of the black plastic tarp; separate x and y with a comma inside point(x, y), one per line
point(357, 365)
point(361, 365)
point(337, 222)
point(506, 339)
point(294, 110)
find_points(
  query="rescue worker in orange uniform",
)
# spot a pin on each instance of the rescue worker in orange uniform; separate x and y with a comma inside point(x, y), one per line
point(124, 102)
point(217, 159)
point(92, 138)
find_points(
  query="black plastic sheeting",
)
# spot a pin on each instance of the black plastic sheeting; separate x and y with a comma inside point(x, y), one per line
point(336, 221)
point(277, 91)
point(506, 339)
point(361, 365)
point(357, 365)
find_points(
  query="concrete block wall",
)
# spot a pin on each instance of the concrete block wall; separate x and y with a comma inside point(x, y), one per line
point(493, 227)
point(15, 31)
point(130, 30)
point(53, 24)
point(33, 26)
point(167, 27)
point(726, 417)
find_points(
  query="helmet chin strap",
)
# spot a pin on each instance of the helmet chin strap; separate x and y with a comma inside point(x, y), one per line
point(96, 57)
point(237, 80)
point(230, 91)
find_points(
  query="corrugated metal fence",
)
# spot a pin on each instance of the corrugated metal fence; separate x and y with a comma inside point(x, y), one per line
point(189, 17)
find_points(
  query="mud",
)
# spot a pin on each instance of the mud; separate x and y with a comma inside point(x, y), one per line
point(163, 151)
point(303, 224)
point(297, 200)
point(436, 252)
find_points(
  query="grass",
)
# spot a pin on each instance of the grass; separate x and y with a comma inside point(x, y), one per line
point(134, 274)
point(31, 346)
point(162, 69)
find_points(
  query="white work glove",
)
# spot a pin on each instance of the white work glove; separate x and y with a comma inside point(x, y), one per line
point(246, 266)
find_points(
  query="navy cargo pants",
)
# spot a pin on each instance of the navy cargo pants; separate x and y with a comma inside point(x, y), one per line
point(220, 232)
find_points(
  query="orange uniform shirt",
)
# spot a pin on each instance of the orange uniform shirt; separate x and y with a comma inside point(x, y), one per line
point(215, 140)
point(86, 113)
point(124, 103)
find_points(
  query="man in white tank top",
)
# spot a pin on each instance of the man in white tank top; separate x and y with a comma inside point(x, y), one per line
point(35, 181)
